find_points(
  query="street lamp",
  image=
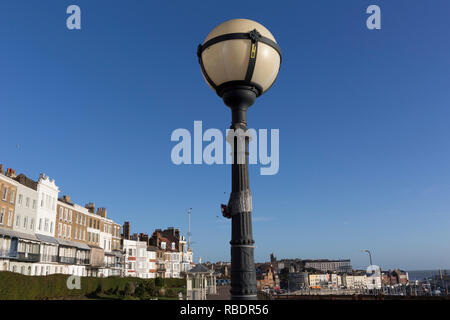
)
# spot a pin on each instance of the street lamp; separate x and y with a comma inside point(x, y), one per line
point(240, 60)
point(370, 255)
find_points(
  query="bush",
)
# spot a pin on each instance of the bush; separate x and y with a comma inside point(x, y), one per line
point(99, 289)
point(129, 289)
point(15, 286)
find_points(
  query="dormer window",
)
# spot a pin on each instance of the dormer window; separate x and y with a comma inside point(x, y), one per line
point(173, 245)
point(163, 245)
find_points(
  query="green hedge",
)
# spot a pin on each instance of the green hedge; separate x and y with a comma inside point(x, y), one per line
point(16, 286)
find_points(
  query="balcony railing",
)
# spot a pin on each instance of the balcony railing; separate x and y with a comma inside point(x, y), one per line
point(48, 258)
point(113, 265)
point(8, 254)
point(28, 257)
point(68, 260)
point(82, 261)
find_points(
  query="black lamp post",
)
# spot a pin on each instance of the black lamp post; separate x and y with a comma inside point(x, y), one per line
point(370, 255)
point(240, 60)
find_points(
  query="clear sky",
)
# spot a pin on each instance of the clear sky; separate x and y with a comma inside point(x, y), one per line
point(363, 118)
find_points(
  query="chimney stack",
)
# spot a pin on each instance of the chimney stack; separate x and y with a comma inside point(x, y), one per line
point(1, 168)
point(126, 230)
point(101, 212)
point(66, 199)
point(91, 207)
point(10, 173)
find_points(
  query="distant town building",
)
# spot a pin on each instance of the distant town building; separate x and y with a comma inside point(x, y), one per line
point(200, 281)
point(326, 265)
point(265, 277)
point(297, 281)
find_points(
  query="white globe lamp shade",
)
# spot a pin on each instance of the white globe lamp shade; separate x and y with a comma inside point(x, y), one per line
point(240, 52)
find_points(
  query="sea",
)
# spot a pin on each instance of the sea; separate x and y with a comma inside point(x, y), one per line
point(425, 274)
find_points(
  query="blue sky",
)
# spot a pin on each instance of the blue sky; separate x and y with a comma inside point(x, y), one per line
point(363, 118)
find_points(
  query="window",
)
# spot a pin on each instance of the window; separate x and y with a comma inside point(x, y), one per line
point(19, 201)
point(64, 230)
point(59, 229)
point(40, 224)
point(70, 215)
point(27, 202)
point(34, 204)
point(69, 229)
point(17, 221)
point(11, 196)
point(65, 214)
point(32, 224)
point(51, 227)
point(46, 225)
point(10, 217)
point(89, 234)
point(76, 234)
point(2, 215)
point(5, 192)
point(42, 199)
point(60, 213)
point(25, 222)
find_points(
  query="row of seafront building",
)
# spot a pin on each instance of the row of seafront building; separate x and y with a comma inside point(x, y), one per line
point(42, 233)
point(297, 274)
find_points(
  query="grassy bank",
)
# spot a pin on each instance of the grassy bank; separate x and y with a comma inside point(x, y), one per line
point(15, 286)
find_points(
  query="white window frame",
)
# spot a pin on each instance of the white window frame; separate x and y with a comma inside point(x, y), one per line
point(5, 193)
point(10, 218)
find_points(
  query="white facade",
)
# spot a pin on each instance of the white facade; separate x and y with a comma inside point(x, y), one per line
point(176, 263)
point(136, 260)
point(151, 258)
point(359, 281)
point(130, 251)
point(46, 207)
point(106, 235)
point(141, 259)
point(373, 278)
point(26, 209)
